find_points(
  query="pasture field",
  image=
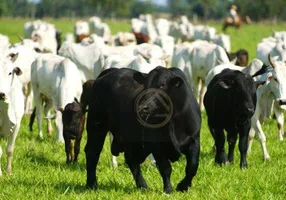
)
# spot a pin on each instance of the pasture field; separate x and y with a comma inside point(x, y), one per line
point(40, 172)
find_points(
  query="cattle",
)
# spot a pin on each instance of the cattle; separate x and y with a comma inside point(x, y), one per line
point(124, 98)
point(26, 54)
point(73, 117)
point(124, 39)
point(141, 37)
point(57, 78)
point(202, 56)
point(271, 95)
point(223, 40)
point(89, 59)
point(162, 26)
point(11, 107)
point(230, 102)
point(241, 57)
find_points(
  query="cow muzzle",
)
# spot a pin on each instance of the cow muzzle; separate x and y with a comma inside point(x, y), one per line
point(2, 96)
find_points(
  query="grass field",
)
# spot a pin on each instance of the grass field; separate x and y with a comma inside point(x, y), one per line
point(39, 170)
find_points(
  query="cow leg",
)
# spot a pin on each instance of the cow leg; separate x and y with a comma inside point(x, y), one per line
point(262, 138)
point(220, 157)
point(68, 145)
point(165, 170)
point(59, 126)
point(1, 153)
point(96, 134)
point(135, 170)
point(202, 94)
point(10, 148)
point(113, 159)
point(47, 109)
point(76, 149)
point(280, 121)
point(192, 157)
point(28, 99)
point(231, 138)
point(39, 106)
point(243, 143)
point(250, 139)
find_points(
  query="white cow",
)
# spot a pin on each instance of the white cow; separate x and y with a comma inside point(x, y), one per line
point(267, 47)
point(81, 27)
point(202, 56)
point(11, 107)
point(89, 59)
point(57, 79)
point(254, 66)
point(223, 40)
point(26, 56)
point(271, 94)
point(162, 26)
point(167, 43)
point(93, 22)
point(124, 39)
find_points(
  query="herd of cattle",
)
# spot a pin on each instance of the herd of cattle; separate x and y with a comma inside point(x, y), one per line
point(103, 75)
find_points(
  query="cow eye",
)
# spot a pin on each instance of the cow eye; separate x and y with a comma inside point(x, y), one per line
point(162, 86)
point(10, 73)
point(275, 79)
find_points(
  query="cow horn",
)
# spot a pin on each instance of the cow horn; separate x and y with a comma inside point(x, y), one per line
point(164, 57)
point(271, 61)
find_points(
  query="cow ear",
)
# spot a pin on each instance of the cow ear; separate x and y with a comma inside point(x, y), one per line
point(13, 56)
point(226, 84)
point(176, 82)
point(139, 77)
point(17, 71)
point(61, 110)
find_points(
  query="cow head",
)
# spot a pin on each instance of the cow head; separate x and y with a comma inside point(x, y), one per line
point(163, 87)
point(242, 91)
point(73, 119)
point(277, 81)
point(7, 75)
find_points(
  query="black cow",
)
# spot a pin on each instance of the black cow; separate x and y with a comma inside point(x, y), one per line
point(230, 102)
point(73, 116)
point(113, 107)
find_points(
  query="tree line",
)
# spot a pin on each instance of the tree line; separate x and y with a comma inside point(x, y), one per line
point(204, 9)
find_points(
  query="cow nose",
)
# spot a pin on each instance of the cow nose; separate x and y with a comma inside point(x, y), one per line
point(251, 110)
point(2, 95)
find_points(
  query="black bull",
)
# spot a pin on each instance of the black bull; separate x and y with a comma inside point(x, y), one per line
point(112, 107)
point(230, 102)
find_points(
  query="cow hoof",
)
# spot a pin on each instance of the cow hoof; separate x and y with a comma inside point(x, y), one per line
point(266, 158)
point(182, 187)
point(168, 190)
point(243, 166)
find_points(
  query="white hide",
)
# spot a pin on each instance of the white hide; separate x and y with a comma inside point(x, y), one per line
point(11, 108)
point(57, 79)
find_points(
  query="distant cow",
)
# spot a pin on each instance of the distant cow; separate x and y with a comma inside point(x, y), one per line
point(112, 108)
point(11, 107)
point(241, 56)
point(230, 102)
point(73, 116)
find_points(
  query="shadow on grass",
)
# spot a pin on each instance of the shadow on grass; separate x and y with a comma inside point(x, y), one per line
point(66, 188)
point(41, 159)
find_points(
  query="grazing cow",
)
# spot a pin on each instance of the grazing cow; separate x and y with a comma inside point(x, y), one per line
point(112, 108)
point(241, 56)
point(57, 78)
point(11, 107)
point(271, 95)
point(230, 102)
point(73, 116)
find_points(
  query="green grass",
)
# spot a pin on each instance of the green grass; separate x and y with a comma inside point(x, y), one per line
point(39, 170)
